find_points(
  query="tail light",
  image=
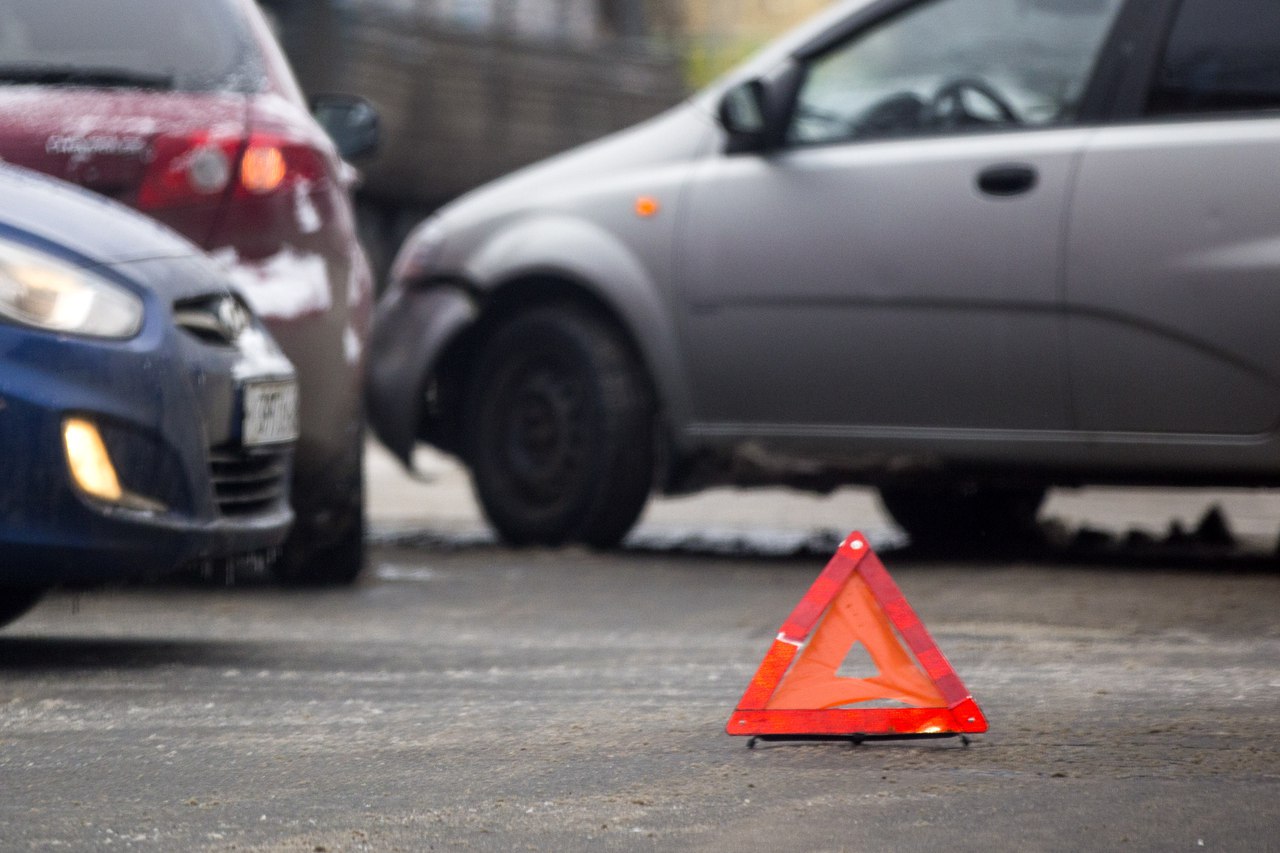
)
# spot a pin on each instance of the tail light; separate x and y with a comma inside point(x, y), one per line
point(186, 169)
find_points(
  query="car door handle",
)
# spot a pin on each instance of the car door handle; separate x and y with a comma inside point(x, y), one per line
point(1007, 180)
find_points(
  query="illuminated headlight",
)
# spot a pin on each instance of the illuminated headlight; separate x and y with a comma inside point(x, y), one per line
point(47, 293)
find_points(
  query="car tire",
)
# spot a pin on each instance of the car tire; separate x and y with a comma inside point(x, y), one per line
point(560, 430)
point(964, 515)
point(15, 601)
point(334, 556)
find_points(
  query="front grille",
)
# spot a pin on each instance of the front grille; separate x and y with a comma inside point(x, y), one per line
point(246, 483)
point(218, 319)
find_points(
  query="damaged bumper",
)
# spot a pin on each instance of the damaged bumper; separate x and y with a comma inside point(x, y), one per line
point(411, 330)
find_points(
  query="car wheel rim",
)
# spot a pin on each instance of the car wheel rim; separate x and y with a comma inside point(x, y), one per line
point(541, 437)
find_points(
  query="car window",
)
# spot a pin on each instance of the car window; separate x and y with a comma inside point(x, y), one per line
point(1222, 56)
point(955, 66)
point(189, 46)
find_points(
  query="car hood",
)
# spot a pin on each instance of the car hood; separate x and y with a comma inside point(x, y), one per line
point(97, 229)
point(674, 137)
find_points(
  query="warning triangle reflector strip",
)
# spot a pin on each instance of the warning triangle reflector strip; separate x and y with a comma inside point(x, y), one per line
point(797, 691)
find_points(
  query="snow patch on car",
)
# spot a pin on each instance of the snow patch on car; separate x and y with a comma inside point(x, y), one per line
point(359, 281)
point(275, 107)
point(305, 209)
point(351, 346)
point(285, 286)
point(263, 356)
point(108, 123)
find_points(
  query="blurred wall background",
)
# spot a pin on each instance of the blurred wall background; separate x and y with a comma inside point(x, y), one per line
point(471, 89)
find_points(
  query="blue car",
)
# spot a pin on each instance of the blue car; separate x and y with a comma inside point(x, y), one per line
point(147, 419)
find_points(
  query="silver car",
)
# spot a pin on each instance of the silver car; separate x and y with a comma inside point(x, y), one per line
point(961, 250)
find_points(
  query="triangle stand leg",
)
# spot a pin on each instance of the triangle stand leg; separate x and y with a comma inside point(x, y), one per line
point(854, 739)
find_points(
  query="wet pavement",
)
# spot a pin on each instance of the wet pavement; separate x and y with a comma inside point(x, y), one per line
point(434, 508)
point(466, 696)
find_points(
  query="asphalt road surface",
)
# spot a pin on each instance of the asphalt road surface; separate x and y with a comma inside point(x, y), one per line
point(469, 697)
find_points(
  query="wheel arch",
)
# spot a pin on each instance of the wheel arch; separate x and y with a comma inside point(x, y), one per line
point(523, 293)
point(567, 260)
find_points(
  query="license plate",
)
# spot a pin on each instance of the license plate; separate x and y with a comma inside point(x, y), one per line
point(270, 413)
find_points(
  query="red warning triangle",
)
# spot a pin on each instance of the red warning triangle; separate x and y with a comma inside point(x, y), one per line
point(798, 691)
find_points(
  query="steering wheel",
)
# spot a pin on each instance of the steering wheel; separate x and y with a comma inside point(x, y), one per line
point(947, 108)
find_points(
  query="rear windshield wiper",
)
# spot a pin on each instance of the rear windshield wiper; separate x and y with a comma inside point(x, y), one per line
point(71, 75)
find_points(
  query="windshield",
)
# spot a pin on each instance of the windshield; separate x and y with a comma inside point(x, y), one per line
point(186, 46)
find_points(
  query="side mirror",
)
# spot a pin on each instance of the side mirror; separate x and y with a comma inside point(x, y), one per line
point(742, 114)
point(351, 122)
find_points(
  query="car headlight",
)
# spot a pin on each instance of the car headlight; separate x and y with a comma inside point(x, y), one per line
point(39, 290)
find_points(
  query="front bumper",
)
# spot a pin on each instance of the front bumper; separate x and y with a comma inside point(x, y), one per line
point(412, 328)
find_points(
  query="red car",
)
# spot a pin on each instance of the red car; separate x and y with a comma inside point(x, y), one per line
point(189, 112)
